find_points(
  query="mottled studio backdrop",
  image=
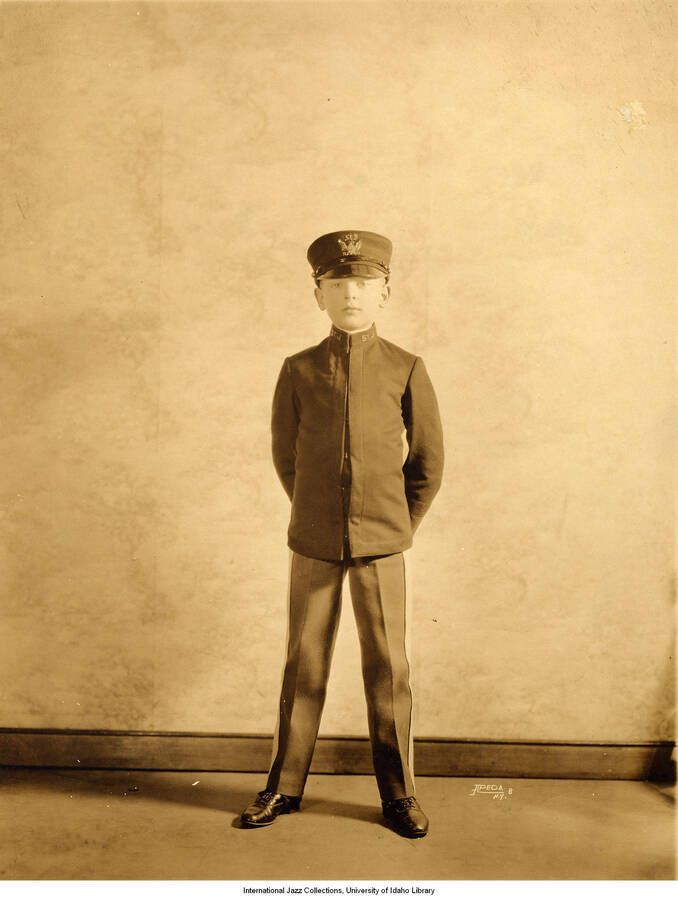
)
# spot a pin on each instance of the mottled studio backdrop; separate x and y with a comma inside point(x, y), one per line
point(164, 168)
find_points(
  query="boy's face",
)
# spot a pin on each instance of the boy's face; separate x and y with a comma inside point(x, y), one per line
point(352, 303)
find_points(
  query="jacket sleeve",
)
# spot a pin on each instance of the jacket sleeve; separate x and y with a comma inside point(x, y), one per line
point(284, 426)
point(423, 468)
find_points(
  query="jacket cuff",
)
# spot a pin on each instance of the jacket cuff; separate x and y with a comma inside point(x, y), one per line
point(415, 522)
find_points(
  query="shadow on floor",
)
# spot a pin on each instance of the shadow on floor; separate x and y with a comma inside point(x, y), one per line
point(160, 786)
point(163, 787)
point(357, 811)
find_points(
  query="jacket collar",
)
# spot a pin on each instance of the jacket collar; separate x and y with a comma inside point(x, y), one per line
point(342, 340)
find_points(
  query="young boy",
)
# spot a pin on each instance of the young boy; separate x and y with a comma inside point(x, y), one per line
point(340, 412)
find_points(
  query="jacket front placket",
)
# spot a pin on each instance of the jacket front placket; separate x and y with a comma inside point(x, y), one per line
point(350, 392)
point(355, 433)
point(345, 473)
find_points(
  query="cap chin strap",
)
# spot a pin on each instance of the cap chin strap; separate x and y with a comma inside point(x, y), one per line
point(345, 260)
point(317, 279)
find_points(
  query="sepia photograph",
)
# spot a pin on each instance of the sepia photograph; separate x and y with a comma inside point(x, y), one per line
point(338, 411)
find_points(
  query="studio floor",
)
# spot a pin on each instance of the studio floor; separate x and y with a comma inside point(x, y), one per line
point(96, 824)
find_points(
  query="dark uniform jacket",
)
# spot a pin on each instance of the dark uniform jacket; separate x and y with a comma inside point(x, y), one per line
point(339, 413)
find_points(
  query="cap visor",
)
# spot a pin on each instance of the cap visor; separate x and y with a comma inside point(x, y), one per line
point(347, 269)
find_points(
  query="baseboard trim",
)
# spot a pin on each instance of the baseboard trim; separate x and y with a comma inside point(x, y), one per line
point(195, 752)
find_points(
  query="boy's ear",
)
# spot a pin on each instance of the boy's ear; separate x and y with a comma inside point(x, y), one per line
point(319, 297)
point(385, 294)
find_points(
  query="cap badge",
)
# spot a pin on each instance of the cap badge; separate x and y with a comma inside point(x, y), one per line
point(351, 244)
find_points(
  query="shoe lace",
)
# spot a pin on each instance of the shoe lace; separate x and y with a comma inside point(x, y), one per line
point(403, 803)
point(265, 797)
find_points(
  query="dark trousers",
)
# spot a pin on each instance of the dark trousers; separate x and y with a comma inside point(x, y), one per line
point(378, 596)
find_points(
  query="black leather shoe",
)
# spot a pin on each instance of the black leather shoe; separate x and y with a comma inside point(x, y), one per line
point(266, 807)
point(406, 816)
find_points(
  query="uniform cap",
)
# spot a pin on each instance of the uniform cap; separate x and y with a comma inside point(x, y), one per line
point(343, 253)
